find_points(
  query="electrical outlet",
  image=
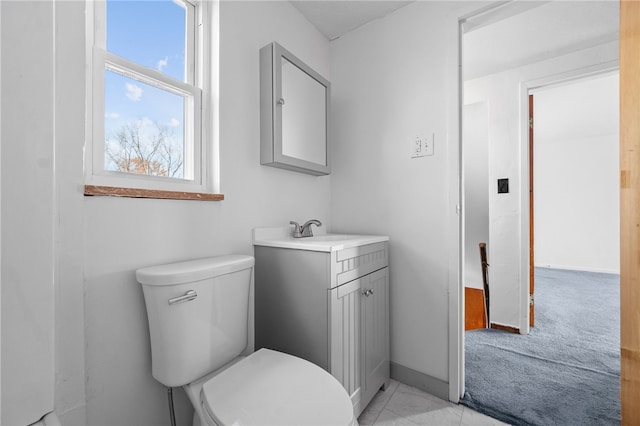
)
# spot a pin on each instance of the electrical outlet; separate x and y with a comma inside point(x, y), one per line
point(422, 146)
point(417, 144)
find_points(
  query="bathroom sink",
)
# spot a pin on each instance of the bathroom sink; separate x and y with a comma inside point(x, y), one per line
point(333, 237)
point(281, 237)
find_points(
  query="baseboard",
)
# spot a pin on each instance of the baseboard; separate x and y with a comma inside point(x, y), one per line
point(74, 416)
point(505, 328)
point(419, 380)
point(580, 268)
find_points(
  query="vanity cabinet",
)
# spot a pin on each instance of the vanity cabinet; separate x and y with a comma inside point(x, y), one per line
point(329, 307)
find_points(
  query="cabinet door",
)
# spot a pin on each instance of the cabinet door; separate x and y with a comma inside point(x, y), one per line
point(345, 338)
point(374, 329)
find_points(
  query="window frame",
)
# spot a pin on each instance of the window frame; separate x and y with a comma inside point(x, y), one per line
point(199, 89)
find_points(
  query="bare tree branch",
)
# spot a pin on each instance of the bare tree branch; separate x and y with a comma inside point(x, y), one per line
point(136, 149)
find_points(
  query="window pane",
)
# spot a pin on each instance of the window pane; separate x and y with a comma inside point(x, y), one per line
point(144, 128)
point(150, 33)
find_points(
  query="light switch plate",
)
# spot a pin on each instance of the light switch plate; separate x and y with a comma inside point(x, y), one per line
point(427, 144)
point(503, 186)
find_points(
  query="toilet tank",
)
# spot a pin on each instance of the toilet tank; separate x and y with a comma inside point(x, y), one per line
point(198, 315)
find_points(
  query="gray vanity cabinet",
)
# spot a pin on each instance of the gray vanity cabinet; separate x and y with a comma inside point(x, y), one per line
point(331, 308)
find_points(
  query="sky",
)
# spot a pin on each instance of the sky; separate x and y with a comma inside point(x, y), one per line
point(152, 34)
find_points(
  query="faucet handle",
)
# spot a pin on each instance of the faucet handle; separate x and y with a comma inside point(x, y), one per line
point(297, 229)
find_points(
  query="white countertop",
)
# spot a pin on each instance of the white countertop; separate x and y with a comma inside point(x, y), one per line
point(282, 238)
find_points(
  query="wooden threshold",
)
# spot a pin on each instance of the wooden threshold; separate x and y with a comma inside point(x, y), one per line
point(113, 191)
point(505, 328)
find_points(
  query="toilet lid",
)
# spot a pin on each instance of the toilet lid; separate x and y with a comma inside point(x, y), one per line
point(273, 388)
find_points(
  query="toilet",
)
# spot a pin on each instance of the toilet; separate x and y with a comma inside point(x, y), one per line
point(198, 315)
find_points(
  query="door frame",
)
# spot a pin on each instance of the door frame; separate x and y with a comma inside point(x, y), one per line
point(629, 216)
point(530, 151)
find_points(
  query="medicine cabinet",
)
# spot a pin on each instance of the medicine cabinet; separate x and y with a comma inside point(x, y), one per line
point(294, 113)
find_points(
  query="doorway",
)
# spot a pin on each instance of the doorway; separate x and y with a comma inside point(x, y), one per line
point(517, 170)
point(575, 174)
point(505, 84)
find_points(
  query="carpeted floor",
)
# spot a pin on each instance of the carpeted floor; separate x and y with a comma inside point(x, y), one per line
point(567, 370)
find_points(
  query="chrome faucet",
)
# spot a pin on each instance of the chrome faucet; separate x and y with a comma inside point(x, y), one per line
point(304, 230)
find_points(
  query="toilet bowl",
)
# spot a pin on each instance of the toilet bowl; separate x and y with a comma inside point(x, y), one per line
point(198, 323)
point(272, 388)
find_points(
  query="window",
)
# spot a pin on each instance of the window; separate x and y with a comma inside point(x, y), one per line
point(150, 95)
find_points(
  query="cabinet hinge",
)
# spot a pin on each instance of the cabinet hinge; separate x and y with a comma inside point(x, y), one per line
point(531, 300)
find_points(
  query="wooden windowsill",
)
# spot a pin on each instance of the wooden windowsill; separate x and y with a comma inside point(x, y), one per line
point(113, 191)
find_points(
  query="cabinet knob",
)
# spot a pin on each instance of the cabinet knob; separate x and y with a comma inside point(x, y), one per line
point(368, 292)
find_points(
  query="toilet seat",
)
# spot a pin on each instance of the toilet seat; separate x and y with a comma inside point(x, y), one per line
point(273, 388)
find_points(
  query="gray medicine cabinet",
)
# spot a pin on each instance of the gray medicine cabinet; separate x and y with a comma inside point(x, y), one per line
point(294, 113)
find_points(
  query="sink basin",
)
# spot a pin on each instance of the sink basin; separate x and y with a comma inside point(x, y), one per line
point(331, 237)
point(281, 237)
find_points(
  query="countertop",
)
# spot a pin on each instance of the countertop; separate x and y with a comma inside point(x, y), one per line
point(282, 238)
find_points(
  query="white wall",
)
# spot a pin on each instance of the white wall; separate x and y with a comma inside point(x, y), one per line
point(475, 134)
point(124, 234)
point(69, 218)
point(502, 91)
point(102, 355)
point(576, 172)
point(393, 79)
point(28, 203)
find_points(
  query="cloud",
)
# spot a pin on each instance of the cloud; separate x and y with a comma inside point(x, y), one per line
point(145, 122)
point(174, 122)
point(112, 115)
point(162, 63)
point(134, 92)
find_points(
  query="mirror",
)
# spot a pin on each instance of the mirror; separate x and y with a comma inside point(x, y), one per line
point(294, 117)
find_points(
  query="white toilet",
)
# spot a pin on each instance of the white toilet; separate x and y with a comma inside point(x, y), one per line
point(198, 320)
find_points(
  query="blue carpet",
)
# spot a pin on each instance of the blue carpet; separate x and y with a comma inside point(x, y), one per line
point(567, 370)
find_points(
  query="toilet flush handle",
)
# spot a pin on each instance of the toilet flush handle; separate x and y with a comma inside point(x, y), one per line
point(188, 296)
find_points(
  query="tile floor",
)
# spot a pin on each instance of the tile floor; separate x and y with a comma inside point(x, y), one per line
point(402, 405)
